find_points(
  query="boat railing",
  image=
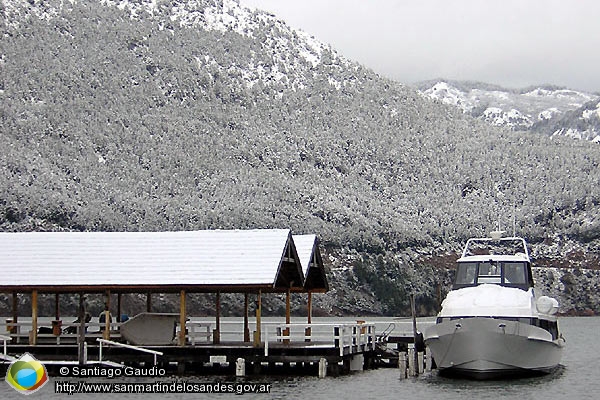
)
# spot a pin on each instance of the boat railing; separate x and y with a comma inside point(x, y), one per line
point(472, 241)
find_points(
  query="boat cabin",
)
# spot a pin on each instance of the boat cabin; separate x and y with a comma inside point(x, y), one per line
point(477, 270)
point(497, 260)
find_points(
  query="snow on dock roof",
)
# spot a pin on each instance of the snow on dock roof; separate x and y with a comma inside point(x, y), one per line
point(312, 262)
point(200, 260)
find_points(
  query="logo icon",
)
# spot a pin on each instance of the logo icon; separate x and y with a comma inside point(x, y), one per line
point(26, 374)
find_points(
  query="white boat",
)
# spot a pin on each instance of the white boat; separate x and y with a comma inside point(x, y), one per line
point(492, 323)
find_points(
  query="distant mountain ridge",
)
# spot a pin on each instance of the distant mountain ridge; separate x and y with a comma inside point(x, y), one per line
point(182, 115)
point(550, 110)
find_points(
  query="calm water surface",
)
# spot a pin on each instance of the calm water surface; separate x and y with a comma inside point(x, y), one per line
point(578, 378)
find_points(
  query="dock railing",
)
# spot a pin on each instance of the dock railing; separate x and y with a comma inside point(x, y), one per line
point(5, 339)
point(21, 332)
point(198, 330)
point(348, 337)
point(127, 346)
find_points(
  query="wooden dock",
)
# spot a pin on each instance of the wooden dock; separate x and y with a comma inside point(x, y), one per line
point(289, 348)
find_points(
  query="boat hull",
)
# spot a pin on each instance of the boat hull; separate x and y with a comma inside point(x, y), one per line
point(483, 348)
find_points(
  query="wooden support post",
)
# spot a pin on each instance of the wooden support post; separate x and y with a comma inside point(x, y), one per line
point(246, 328)
point(81, 336)
point(288, 319)
point(107, 317)
point(15, 313)
point(119, 307)
point(148, 302)
point(217, 332)
point(414, 324)
point(182, 318)
point(57, 323)
point(309, 307)
point(336, 335)
point(34, 318)
point(288, 308)
point(308, 330)
point(257, 333)
point(57, 307)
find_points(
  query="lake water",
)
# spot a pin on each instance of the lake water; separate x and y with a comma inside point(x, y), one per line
point(578, 378)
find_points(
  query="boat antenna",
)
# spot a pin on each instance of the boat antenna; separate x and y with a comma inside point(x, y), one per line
point(514, 220)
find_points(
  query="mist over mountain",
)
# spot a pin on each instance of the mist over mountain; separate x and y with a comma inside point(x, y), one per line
point(171, 115)
point(549, 110)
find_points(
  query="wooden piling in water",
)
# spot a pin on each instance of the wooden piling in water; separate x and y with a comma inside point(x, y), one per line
point(402, 365)
point(428, 360)
point(240, 367)
point(322, 368)
point(412, 368)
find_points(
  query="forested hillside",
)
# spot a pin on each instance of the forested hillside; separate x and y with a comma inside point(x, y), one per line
point(205, 115)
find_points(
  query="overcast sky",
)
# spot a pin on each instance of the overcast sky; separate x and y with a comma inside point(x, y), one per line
point(513, 43)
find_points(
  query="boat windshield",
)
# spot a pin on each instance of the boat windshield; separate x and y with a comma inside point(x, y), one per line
point(513, 274)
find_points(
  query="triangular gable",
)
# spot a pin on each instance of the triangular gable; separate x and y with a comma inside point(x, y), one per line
point(313, 268)
point(290, 273)
point(196, 260)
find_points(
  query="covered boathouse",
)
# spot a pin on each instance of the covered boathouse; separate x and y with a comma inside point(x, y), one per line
point(252, 262)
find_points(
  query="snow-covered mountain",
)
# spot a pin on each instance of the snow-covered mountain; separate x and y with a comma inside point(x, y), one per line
point(550, 110)
point(292, 54)
point(180, 115)
point(582, 123)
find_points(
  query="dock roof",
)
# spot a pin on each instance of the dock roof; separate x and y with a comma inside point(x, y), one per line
point(208, 260)
point(312, 263)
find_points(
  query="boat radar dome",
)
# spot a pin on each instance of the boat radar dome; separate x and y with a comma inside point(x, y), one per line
point(496, 235)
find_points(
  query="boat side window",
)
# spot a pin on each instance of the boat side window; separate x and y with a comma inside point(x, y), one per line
point(515, 273)
point(489, 272)
point(465, 274)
